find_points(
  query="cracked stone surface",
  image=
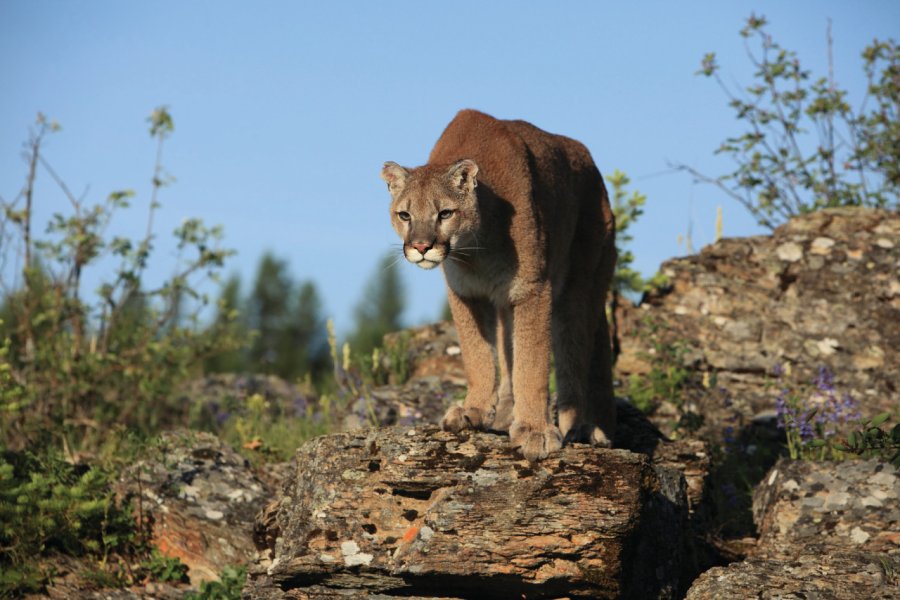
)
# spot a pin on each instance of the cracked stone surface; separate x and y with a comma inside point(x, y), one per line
point(423, 513)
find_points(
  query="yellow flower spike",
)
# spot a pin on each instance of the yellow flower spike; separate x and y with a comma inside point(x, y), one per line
point(332, 341)
point(718, 223)
point(256, 403)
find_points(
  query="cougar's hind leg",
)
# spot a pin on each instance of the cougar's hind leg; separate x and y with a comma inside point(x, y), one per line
point(504, 413)
point(573, 345)
point(600, 398)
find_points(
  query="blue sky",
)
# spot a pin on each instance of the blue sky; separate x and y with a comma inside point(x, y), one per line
point(285, 111)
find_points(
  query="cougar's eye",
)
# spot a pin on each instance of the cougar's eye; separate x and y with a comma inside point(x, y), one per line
point(445, 214)
point(404, 216)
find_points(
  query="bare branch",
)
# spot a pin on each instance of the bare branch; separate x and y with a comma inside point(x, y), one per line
point(764, 221)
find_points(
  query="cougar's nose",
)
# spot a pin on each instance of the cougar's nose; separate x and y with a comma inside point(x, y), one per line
point(422, 247)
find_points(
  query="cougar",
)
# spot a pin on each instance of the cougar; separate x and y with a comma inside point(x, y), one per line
point(520, 222)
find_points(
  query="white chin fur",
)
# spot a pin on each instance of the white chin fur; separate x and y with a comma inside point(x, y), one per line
point(429, 260)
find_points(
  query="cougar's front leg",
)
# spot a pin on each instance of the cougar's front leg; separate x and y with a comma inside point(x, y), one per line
point(532, 430)
point(476, 325)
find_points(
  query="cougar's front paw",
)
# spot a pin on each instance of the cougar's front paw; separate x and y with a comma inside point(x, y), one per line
point(535, 444)
point(587, 434)
point(459, 418)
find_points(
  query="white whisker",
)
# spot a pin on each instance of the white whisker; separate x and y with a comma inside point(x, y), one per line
point(459, 260)
point(393, 263)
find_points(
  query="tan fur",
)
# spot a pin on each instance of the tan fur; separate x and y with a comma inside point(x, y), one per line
point(520, 222)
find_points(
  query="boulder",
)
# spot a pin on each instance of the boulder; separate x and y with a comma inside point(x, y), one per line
point(827, 530)
point(199, 497)
point(850, 505)
point(401, 512)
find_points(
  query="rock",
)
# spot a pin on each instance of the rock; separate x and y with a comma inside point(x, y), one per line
point(430, 351)
point(820, 291)
point(827, 530)
point(850, 505)
point(149, 591)
point(838, 576)
point(200, 498)
point(422, 400)
point(422, 513)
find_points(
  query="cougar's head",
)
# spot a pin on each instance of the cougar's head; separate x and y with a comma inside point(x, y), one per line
point(433, 209)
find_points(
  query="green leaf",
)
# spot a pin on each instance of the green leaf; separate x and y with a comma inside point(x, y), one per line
point(878, 420)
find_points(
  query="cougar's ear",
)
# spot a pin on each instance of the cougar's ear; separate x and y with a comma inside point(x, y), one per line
point(394, 175)
point(462, 175)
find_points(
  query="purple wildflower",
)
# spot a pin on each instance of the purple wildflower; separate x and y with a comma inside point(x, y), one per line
point(824, 380)
point(729, 437)
point(778, 370)
point(805, 426)
point(850, 408)
point(219, 413)
point(782, 410)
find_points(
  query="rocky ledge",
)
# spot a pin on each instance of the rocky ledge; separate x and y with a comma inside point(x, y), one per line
point(403, 512)
point(821, 291)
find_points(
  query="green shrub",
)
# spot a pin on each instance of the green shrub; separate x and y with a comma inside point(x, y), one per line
point(49, 506)
point(228, 587)
point(668, 379)
point(870, 440)
point(805, 147)
point(159, 567)
point(116, 357)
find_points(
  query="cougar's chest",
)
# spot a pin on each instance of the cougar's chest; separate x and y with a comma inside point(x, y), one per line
point(486, 276)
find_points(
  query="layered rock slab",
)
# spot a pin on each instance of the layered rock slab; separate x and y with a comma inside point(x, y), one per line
point(423, 513)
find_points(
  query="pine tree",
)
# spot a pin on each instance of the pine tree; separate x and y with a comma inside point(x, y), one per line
point(381, 309)
point(284, 320)
point(268, 314)
point(229, 315)
point(308, 334)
